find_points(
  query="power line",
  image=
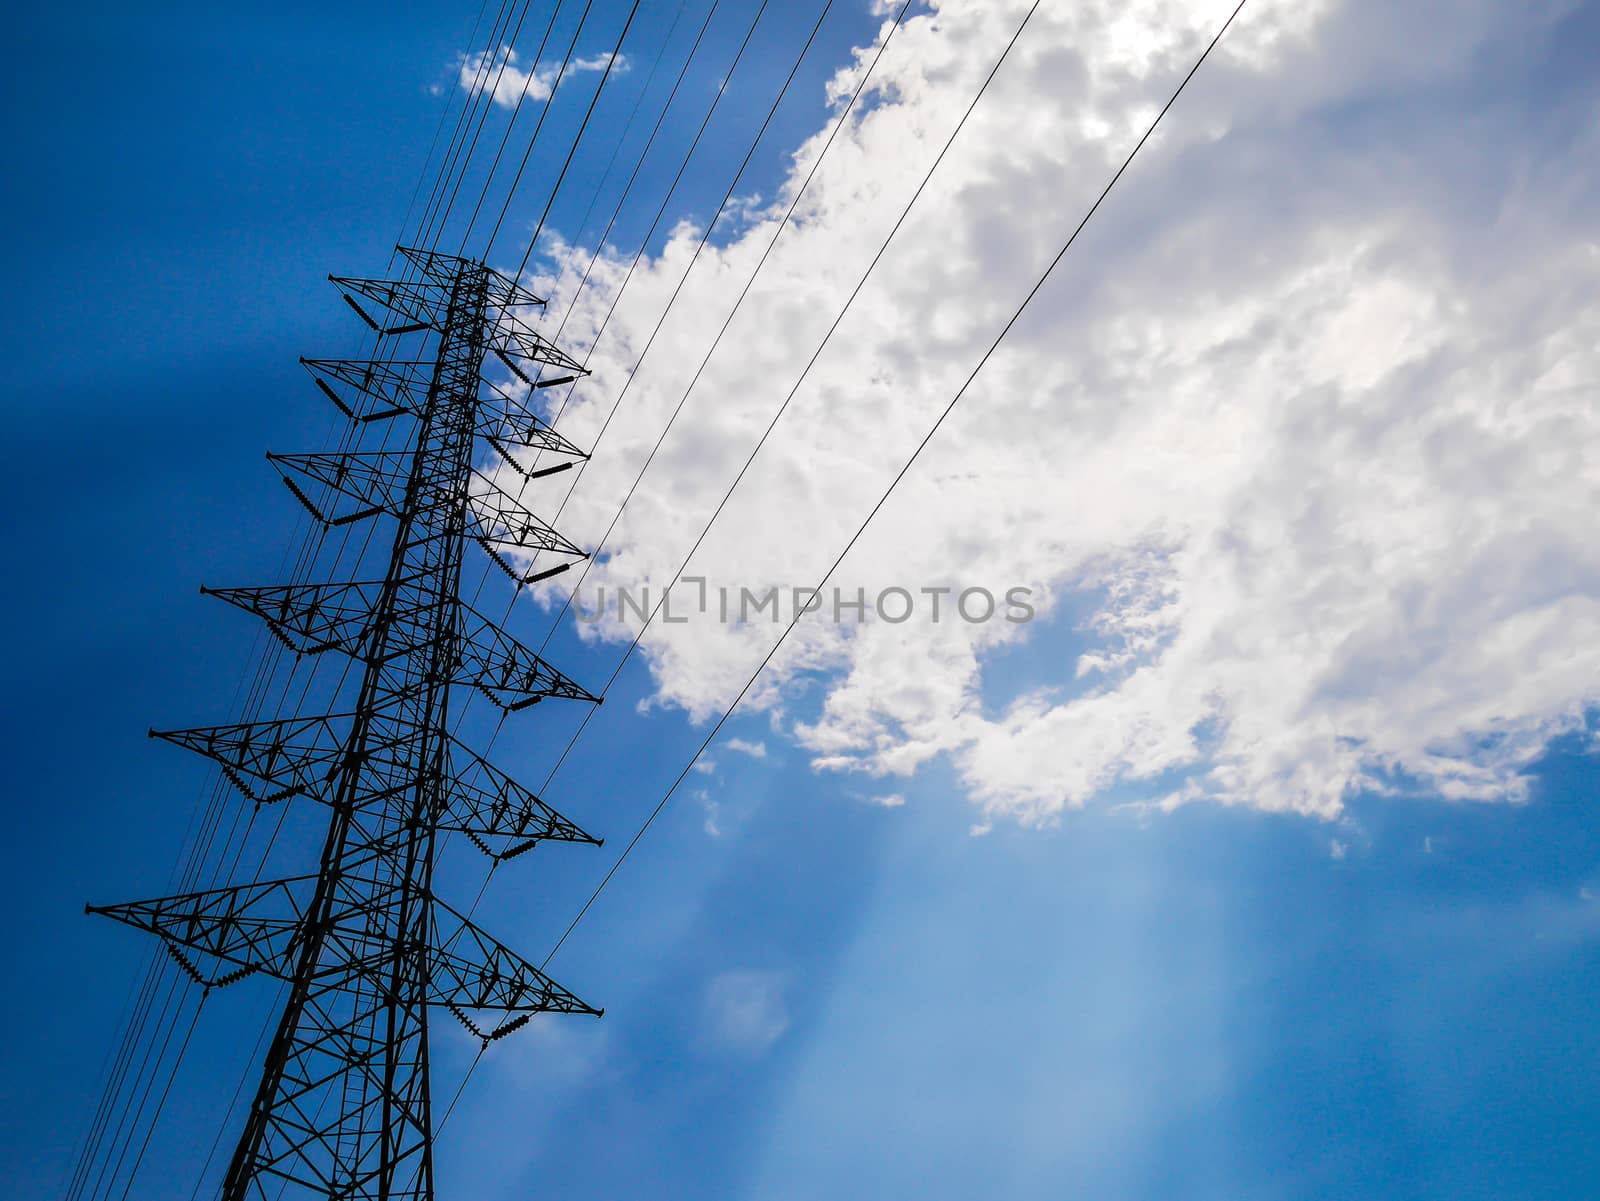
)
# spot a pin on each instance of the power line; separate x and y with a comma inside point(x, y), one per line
point(444, 115)
point(528, 81)
point(561, 176)
point(782, 408)
point(476, 93)
point(861, 83)
point(717, 341)
point(433, 227)
point(633, 114)
point(733, 184)
point(904, 469)
point(622, 201)
point(666, 199)
point(705, 237)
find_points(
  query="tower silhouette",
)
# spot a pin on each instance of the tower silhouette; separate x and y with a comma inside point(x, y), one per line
point(342, 1109)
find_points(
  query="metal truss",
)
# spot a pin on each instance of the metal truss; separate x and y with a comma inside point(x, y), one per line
point(343, 1106)
point(367, 391)
point(271, 761)
point(313, 618)
point(221, 935)
point(377, 482)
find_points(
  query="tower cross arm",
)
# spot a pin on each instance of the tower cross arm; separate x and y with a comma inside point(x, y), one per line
point(268, 761)
point(485, 803)
point(223, 934)
point(471, 970)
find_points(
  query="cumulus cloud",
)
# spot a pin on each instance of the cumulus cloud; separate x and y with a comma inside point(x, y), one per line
point(500, 74)
point(1306, 423)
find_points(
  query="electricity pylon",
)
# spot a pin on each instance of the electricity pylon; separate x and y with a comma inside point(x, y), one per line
point(342, 1108)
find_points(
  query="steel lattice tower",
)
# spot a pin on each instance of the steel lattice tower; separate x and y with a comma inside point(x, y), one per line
point(342, 1108)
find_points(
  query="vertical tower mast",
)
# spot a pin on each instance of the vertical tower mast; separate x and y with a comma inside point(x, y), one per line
point(342, 1108)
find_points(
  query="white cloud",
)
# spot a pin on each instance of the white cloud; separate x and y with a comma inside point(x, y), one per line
point(507, 83)
point(554, 1055)
point(745, 1010)
point(1307, 418)
point(712, 810)
point(756, 750)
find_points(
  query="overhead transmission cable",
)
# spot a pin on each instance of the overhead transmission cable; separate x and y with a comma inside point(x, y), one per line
point(447, 192)
point(782, 408)
point(727, 197)
point(905, 468)
point(672, 188)
point(705, 238)
point(611, 63)
point(616, 149)
point(717, 340)
point(548, 102)
point(838, 124)
point(643, 245)
point(665, 201)
point(444, 115)
point(474, 112)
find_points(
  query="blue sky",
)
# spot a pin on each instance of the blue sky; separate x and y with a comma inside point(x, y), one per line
point(808, 995)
